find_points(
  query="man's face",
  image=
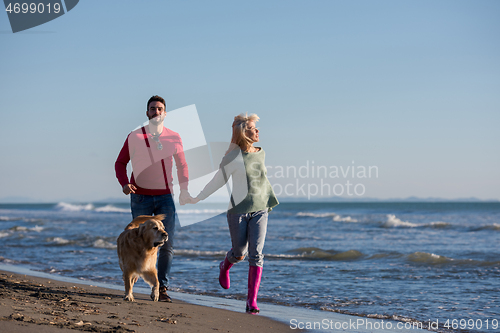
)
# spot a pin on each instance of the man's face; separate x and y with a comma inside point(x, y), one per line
point(156, 112)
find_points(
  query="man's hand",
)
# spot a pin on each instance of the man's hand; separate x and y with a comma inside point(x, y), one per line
point(129, 188)
point(185, 197)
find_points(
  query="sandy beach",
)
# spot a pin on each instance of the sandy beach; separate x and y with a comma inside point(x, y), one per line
point(29, 304)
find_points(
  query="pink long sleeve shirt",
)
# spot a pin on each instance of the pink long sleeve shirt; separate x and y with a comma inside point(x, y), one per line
point(152, 166)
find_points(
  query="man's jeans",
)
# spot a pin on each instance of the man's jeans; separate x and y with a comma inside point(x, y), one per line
point(248, 233)
point(155, 205)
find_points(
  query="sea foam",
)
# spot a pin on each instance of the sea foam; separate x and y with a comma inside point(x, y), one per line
point(102, 244)
point(112, 209)
point(73, 207)
point(59, 240)
point(338, 218)
point(393, 221)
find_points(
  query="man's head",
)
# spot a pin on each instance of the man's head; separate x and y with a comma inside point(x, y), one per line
point(156, 107)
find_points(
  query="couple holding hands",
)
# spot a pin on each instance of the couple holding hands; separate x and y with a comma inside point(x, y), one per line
point(251, 200)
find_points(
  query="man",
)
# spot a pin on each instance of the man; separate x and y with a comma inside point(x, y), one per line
point(150, 150)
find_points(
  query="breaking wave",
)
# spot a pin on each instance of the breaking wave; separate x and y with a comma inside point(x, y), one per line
point(73, 207)
point(393, 222)
point(435, 259)
point(68, 207)
point(494, 227)
point(338, 218)
point(102, 244)
point(58, 240)
point(112, 209)
point(335, 217)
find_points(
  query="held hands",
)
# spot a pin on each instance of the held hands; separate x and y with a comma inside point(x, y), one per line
point(186, 198)
point(129, 188)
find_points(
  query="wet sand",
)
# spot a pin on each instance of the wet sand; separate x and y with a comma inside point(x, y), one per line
point(35, 304)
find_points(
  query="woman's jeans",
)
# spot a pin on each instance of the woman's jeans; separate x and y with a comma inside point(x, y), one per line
point(154, 205)
point(248, 233)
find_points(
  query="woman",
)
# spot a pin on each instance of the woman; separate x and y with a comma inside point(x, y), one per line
point(251, 200)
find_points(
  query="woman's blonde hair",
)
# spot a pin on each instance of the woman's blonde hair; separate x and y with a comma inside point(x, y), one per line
point(240, 125)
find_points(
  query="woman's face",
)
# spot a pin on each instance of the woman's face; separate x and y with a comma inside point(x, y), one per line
point(252, 132)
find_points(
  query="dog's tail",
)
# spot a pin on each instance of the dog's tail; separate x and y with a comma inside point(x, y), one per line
point(143, 218)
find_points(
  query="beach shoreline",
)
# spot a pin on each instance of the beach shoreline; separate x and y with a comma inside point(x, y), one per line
point(30, 303)
point(33, 300)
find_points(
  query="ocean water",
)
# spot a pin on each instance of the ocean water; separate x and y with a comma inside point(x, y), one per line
point(403, 261)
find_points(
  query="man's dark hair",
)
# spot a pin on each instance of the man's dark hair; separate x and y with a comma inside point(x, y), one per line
point(157, 98)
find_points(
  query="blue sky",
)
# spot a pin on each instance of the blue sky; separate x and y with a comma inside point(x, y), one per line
point(411, 87)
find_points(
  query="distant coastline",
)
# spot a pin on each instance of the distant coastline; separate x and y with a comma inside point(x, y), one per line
point(118, 200)
point(408, 199)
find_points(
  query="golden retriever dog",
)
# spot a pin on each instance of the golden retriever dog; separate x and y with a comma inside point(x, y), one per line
point(137, 253)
